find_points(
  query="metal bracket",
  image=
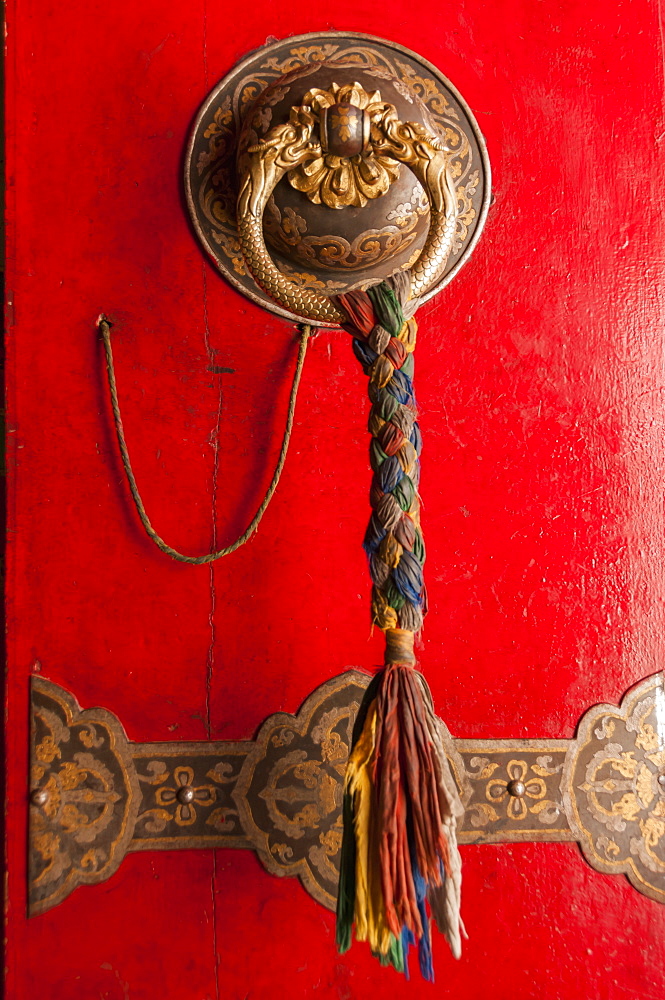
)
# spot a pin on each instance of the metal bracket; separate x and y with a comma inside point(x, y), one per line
point(95, 795)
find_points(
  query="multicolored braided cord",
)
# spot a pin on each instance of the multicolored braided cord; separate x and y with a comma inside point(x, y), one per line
point(400, 866)
point(384, 341)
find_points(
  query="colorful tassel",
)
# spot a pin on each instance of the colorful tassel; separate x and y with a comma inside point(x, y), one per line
point(400, 864)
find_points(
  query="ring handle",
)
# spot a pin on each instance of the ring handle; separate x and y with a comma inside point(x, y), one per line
point(285, 147)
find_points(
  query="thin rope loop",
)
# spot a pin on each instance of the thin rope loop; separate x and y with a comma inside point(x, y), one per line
point(104, 327)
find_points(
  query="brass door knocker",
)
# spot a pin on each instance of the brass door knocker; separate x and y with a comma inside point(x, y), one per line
point(335, 147)
point(359, 125)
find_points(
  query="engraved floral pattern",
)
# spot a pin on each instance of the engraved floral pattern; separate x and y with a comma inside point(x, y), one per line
point(177, 797)
point(515, 792)
point(616, 794)
point(84, 796)
point(287, 232)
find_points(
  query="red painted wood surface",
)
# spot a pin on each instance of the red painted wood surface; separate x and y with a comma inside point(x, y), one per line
point(540, 381)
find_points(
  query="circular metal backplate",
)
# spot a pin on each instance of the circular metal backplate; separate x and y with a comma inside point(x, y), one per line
point(402, 76)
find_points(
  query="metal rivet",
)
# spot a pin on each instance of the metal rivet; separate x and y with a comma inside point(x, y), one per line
point(516, 788)
point(661, 780)
point(39, 797)
point(185, 794)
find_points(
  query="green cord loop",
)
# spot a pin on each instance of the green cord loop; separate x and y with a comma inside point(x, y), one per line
point(104, 326)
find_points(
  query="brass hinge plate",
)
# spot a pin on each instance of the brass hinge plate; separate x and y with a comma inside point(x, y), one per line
point(95, 795)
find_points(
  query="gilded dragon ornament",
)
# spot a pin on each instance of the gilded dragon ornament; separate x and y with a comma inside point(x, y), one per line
point(307, 147)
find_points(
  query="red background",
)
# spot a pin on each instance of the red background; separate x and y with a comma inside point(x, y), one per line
point(540, 380)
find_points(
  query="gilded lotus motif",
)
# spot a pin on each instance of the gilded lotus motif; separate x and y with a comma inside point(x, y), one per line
point(340, 181)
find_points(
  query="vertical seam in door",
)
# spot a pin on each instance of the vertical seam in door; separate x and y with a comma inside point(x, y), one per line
point(213, 440)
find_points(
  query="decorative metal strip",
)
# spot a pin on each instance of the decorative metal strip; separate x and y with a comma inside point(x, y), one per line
point(515, 791)
point(95, 795)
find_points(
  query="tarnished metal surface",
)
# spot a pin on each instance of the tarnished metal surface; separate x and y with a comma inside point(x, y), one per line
point(295, 147)
point(515, 790)
point(95, 796)
point(84, 795)
point(317, 249)
point(614, 787)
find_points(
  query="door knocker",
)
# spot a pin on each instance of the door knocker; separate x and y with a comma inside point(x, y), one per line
point(340, 180)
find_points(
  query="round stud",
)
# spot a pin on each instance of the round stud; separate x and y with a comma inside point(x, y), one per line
point(185, 794)
point(39, 797)
point(661, 781)
point(516, 788)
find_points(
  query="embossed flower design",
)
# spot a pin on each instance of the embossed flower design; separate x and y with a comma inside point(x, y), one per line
point(516, 788)
point(338, 181)
point(185, 796)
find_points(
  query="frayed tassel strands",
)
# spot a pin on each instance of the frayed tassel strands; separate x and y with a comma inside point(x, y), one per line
point(400, 865)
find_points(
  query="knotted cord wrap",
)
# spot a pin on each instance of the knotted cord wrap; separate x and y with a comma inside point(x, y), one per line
point(400, 864)
point(104, 326)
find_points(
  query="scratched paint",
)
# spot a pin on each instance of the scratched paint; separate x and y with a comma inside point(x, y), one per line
point(540, 380)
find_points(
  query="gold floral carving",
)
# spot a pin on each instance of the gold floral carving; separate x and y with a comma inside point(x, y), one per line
point(340, 181)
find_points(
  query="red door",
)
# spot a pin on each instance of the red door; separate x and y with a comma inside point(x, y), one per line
point(540, 386)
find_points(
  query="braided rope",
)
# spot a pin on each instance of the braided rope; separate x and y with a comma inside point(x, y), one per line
point(104, 327)
point(384, 341)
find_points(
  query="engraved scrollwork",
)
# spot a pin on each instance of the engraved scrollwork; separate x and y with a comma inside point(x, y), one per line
point(481, 814)
point(287, 232)
point(605, 788)
point(304, 279)
point(224, 772)
point(84, 801)
point(514, 796)
point(543, 766)
point(289, 796)
point(425, 90)
point(615, 794)
point(483, 768)
point(216, 192)
point(223, 820)
point(283, 737)
point(466, 212)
